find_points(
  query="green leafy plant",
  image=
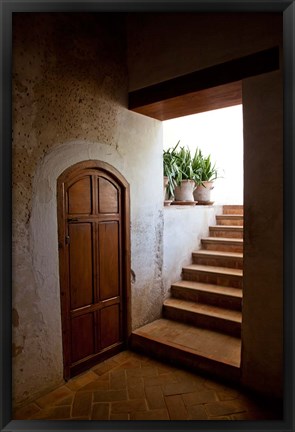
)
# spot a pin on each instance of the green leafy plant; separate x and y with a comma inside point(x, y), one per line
point(170, 168)
point(185, 170)
point(206, 168)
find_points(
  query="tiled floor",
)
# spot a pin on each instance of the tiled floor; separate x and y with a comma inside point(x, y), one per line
point(130, 386)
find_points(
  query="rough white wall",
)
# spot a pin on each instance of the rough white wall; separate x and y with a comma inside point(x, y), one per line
point(184, 226)
point(42, 347)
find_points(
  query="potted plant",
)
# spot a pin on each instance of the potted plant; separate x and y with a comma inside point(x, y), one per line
point(186, 177)
point(208, 174)
point(169, 170)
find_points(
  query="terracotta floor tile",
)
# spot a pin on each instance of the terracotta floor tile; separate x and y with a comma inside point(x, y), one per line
point(95, 385)
point(131, 386)
point(80, 381)
point(105, 366)
point(117, 379)
point(176, 408)
point(26, 411)
point(163, 379)
point(134, 380)
point(66, 401)
point(146, 371)
point(41, 415)
point(136, 391)
point(119, 416)
point(197, 412)
point(100, 411)
point(110, 395)
point(178, 388)
point(224, 408)
point(82, 404)
point(52, 397)
point(199, 397)
point(59, 413)
point(129, 406)
point(154, 396)
point(158, 414)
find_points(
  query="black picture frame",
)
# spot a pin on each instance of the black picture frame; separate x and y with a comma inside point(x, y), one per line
point(7, 8)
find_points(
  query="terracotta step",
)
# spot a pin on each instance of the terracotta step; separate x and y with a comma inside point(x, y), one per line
point(218, 258)
point(222, 244)
point(217, 295)
point(233, 209)
point(194, 348)
point(230, 219)
point(202, 315)
point(228, 231)
point(213, 275)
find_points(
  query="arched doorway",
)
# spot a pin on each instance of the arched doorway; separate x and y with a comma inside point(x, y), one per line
point(94, 263)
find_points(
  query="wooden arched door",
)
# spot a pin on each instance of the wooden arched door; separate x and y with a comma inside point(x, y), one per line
point(94, 262)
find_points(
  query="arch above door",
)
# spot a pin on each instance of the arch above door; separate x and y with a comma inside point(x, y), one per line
point(93, 210)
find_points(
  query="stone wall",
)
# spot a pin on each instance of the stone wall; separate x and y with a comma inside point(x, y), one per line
point(184, 226)
point(70, 89)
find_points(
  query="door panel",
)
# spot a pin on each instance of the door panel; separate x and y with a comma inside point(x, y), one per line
point(108, 196)
point(79, 197)
point(109, 276)
point(82, 336)
point(93, 270)
point(109, 325)
point(80, 263)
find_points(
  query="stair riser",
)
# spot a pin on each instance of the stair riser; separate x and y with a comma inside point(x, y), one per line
point(224, 221)
point(181, 358)
point(233, 210)
point(225, 233)
point(205, 321)
point(221, 246)
point(218, 261)
point(214, 299)
point(217, 279)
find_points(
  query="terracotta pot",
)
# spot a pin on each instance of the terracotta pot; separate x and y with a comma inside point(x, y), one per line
point(202, 193)
point(184, 192)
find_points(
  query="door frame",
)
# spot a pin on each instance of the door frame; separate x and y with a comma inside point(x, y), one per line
point(74, 171)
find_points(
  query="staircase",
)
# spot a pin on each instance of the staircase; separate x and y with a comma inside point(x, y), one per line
point(201, 324)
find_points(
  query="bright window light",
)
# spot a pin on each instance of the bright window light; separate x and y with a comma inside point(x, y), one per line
point(219, 133)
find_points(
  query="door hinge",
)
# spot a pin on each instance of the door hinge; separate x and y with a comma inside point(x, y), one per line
point(67, 239)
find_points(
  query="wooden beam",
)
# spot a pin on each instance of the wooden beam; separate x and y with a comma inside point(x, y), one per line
point(181, 96)
point(192, 103)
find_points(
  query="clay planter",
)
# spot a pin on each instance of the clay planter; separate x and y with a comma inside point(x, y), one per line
point(202, 193)
point(184, 192)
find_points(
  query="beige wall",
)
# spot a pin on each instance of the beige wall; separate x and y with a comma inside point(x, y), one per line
point(163, 46)
point(262, 329)
point(70, 89)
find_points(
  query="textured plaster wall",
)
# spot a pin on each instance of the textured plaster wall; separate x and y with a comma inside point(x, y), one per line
point(180, 43)
point(70, 104)
point(262, 330)
point(183, 229)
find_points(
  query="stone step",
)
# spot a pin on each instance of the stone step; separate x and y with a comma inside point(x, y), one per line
point(230, 219)
point(218, 258)
point(228, 231)
point(216, 295)
point(203, 315)
point(222, 244)
point(195, 348)
point(224, 276)
point(233, 209)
